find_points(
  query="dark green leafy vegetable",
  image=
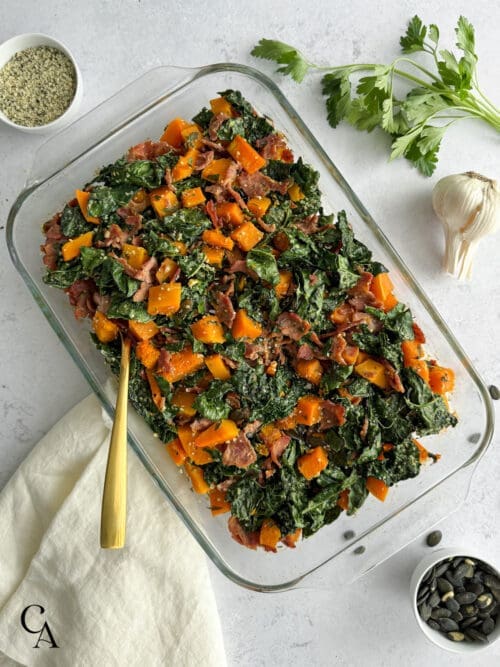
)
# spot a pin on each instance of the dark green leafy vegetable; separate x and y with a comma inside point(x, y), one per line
point(73, 223)
point(263, 262)
point(105, 200)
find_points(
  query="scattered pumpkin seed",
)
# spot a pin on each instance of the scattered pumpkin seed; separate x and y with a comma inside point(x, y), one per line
point(494, 392)
point(456, 636)
point(433, 624)
point(444, 586)
point(434, 538)
point(448, 624)
point(452, 604)
point(484, 600)
point(349, 535)
point(360, 550)
point(474, 437)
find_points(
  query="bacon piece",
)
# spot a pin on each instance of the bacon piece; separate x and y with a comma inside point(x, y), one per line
point(215, 122)
point(340, 350)
point(52, 229)
point(224, 486)
point(148, 150)
point(114, 237)
point(213, 144)
point(200, 424)
point(293, 326)
point(392, 377)
point(168, 179)
point(305, 352)
point(234, 400)
point(164, 364)
point(81, 297)
point(259, 185)
point(217, 191)
point(252, 427)
point(364, 429)
point(145, 273)
point(50, 254)
point(142, 292)
point(418, 333)
point(274, 147)
point(238, 533)
point(203, 160)
point(101, 301)
point(240, 266)
point(269, 229)
point(277, 447)
point(309, 225)
point(131, 217)
point(239, 452)
point(260, 350)
point(332, 414)
point(229, 176)
point(211, 211)
point(224, 309)
point(361, 296)
point(238, 198)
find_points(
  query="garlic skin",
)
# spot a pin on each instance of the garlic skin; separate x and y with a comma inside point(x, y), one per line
point(468, 205)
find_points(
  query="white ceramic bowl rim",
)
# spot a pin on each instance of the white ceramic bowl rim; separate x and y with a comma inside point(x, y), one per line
point(28, 40)
point(421, 570)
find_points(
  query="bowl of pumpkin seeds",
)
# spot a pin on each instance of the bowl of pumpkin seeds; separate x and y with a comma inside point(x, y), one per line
point(456, 599)
point(40, 84)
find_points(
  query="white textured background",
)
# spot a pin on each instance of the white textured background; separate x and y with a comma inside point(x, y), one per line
point(370, 622)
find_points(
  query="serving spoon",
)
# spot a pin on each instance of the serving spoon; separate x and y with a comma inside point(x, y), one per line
point(114, 499)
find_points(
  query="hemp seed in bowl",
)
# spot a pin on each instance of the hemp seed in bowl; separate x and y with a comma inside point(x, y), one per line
point(37, 85)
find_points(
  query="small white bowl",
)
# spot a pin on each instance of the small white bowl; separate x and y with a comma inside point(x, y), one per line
point(21, 42)
point(433, 635)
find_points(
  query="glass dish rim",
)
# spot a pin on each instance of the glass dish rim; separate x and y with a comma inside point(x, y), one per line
point(192, 74)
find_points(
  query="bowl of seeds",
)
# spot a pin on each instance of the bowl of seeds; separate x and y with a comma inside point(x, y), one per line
point(456, 599)
point(40, 84)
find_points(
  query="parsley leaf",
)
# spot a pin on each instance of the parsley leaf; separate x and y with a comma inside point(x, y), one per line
point(416, 123)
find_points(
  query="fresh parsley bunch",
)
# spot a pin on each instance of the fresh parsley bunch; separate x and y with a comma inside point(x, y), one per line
point(416, 123)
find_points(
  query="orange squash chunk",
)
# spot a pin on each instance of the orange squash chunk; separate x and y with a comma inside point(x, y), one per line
point(214, 256)
point(184, 400)
point(377, 488)
point(217, 434)
point(216, 365)
point(186, 436)
point(218, 502)
point(208, 330)
point(176, 451)
point(216, 169)
point(283, 286)
point(143, 330)
point(441, 379)
point(163, 201)
point(104, 329)
point(312, 463)
point(71, 249)
point(82, 197)
point(191, 136)
point(216, 238)
point(246, 155)
point(185, 165)
point(135, 255)
point(147, 353)
point(173, 132)
point(230, 212)
point(382, 287)
point(247, 236)
point(166, 270)
point(269, 535)
point(308, 410)
point(343, 500)
point(374, 372)
point(182, 364)
point(192, 197)
point(221, 105)
point(195, 474)
point(295, 193)
point(245, 327)
point(164, 299)
point(158, 398)
point(310, 370)
point(258, 206)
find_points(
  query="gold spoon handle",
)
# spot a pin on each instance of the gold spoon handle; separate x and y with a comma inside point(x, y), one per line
point(114, 499)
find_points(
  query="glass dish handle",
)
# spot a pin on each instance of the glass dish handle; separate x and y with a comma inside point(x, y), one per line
point(69, 144)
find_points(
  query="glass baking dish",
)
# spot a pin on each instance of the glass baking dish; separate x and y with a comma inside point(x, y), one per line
point(141, 111)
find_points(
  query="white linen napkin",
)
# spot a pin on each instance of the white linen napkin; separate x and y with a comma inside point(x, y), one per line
point(148, 604)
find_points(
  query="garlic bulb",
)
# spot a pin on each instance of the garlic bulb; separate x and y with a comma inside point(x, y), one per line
point(468, 205)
